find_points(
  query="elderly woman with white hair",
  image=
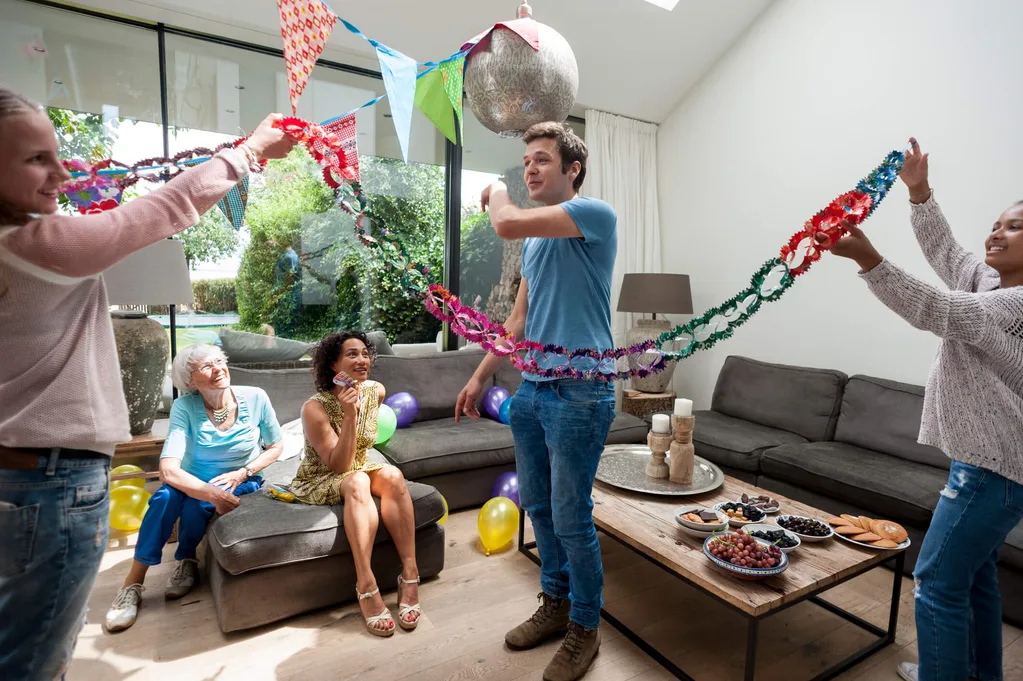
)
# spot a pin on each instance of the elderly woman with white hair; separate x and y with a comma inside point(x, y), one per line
point(219, 438)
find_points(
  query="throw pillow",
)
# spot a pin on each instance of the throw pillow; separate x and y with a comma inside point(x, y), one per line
point(242, 346)
point(379, 341)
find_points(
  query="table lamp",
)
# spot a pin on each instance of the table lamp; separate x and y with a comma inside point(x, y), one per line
point(654, 294)
point(156, 275)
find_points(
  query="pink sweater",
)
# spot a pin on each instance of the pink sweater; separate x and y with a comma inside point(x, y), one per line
point(60, 381)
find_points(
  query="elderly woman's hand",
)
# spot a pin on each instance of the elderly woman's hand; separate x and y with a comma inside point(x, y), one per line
point(230, 480)
point(223, 501)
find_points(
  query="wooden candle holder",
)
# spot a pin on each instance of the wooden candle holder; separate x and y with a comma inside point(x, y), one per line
point(683, 456)
point(659, 443)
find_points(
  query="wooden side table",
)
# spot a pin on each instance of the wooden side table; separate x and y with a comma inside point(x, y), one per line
point(642, 404)
point(141, 451)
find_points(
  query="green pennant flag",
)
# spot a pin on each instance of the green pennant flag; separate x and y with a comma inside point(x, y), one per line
point(453, 72)
point(432, 100)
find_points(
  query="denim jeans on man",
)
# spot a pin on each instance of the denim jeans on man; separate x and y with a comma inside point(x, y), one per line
point(53, 532)
point(958, 605)
point(559, 429)
point(169, 504)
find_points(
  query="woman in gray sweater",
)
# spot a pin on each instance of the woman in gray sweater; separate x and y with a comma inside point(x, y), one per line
point(973, 411)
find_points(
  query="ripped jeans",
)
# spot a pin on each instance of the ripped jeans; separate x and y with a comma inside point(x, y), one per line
point(958, 604)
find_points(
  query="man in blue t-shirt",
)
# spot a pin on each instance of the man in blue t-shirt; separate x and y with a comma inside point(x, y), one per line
point(559, 426)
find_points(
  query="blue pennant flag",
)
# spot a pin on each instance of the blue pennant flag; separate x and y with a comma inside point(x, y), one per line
point(399, 74)
point(234, 203)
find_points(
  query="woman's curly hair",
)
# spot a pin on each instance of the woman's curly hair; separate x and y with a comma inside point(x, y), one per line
point(326, 352)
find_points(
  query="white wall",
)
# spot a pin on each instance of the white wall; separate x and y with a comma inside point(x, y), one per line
point(806, 103)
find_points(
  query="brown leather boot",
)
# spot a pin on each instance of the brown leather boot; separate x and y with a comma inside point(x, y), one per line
point(575, 655)
point(550, 619)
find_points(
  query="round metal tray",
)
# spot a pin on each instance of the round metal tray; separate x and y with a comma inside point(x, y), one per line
point(624, 466)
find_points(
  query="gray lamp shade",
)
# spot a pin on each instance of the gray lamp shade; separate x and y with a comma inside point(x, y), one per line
point(656, 293)
point(156, 275)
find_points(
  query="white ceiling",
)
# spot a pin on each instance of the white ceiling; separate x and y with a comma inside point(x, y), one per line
point(635, 59)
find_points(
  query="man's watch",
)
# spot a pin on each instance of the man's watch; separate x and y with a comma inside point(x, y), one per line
point(248, 471)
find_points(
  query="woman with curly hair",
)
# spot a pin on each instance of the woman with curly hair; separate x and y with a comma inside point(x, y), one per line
point(340, 424)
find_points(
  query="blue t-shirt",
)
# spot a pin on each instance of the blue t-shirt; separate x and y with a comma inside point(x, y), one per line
point(204, 451)
point(569, 285)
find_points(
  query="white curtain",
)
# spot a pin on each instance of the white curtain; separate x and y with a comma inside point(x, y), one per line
point(622, 170)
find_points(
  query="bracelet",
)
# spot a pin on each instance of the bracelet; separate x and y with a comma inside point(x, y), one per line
point(921, 197)
point(250, 158)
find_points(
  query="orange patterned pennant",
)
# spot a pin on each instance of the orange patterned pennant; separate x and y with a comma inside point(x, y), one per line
point(305, 27)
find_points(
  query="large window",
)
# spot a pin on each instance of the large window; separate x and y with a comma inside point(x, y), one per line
point(294, 268)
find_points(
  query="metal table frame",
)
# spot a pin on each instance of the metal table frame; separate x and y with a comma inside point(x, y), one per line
point(885, 638)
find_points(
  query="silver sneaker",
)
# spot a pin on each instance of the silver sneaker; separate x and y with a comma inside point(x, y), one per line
point(908, 671)
point(186, 574)
point(125, 609)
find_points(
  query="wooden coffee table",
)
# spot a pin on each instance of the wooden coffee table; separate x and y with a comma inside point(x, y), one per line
point(646, 524)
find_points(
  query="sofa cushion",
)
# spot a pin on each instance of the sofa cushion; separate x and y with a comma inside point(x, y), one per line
point(242, 346)
point(736, 443)
point(627, 429)
point(434, 379)
point(288, 384)
point(441, 446)
point(799, 400)
point(885, 416)
point(1012, 550)
point(893, 488)
point(379, 341)
point(263, 532)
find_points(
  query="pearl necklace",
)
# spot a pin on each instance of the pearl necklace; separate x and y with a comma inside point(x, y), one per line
point(220, 415)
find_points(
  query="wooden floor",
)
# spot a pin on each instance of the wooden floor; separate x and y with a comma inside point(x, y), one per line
point(466, 612)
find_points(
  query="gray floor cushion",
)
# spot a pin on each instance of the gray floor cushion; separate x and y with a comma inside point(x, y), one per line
point(903, 491)
point(263, 532)
point(734, 442)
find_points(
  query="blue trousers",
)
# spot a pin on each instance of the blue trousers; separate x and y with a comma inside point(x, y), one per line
point(559, 429)
point(53, 531)
point(958, 604)
point(168, 505)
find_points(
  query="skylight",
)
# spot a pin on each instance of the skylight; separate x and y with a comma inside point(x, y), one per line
point(666, 4)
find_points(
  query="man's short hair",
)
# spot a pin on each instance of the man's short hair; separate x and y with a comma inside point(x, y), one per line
point(571, 148)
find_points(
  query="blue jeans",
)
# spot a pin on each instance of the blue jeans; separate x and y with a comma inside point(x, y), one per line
point(559, 429)
point(958, 605)
point(166, 506)
point(53, 532)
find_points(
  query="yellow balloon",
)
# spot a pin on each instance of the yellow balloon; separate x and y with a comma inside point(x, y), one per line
point(498, 522)
point(127, 507)
point(444, 518)
point(127, 482)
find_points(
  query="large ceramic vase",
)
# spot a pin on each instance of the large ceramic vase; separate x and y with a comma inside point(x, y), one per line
point(650, 329)
point(143, 350)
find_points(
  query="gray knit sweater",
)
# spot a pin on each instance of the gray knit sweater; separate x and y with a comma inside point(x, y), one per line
point(973, 405)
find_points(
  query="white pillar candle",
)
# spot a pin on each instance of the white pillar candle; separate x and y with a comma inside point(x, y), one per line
point(662, 423)
point(683, 407)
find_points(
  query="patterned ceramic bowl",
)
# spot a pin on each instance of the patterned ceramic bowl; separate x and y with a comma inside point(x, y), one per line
point(750, 574)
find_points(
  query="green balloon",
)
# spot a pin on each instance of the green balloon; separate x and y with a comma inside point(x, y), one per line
point(387, 421)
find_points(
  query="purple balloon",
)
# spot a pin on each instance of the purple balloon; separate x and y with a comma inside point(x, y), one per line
point(492, 400)
point(405, 407)
point(507, 485)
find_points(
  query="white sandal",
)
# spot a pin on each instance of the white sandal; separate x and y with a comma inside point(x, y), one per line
point(371, 622)
point(405, 609)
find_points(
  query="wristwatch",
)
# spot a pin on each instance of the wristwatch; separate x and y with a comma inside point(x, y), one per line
point(248, 471)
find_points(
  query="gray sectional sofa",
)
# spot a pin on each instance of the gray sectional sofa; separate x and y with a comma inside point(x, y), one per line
point(844, 445)
point(268, 560)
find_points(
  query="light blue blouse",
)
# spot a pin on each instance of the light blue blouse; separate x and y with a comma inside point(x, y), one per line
point(206, 452)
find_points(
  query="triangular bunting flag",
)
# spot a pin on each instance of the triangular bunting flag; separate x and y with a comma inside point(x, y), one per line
point(433, 101)
point(344, 128)
point(454, 72)
point(399, 74)
point(233, 205)
point(305, 27)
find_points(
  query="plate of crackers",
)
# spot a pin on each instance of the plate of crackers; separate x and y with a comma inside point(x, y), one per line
point(871, 533)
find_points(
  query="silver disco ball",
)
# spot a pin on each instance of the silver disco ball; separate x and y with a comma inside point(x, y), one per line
point(511, 87)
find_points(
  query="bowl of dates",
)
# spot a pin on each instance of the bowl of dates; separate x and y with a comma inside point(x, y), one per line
point(784, 539)
point(807, 529)
point(740, 514)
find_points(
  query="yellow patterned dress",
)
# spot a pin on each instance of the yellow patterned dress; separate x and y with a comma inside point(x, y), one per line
point(315, 483)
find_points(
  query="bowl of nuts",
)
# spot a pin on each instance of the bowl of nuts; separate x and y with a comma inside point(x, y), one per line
point(701, 519)
point(807, 529)
point(740, 514)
